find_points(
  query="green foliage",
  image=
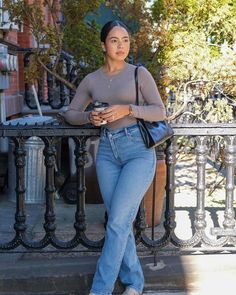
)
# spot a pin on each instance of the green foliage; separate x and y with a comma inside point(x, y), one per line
point(178, 40)
point(218, 111)
point(214, 111)
point(200, 40)
point(72, 34)
point(188, 58)
point(82, 39)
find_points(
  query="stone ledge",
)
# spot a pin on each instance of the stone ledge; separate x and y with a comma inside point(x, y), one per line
point(74, 276)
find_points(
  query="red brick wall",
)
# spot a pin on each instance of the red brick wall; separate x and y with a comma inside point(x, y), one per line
point(14, 95)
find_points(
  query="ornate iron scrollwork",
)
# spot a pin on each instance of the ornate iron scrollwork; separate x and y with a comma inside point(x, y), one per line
point(53, 132)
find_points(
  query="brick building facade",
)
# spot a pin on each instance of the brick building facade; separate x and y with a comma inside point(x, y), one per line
point(17, 41)
point(14, 94)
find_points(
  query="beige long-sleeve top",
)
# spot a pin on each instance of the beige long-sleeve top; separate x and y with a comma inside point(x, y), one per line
point(117, 89)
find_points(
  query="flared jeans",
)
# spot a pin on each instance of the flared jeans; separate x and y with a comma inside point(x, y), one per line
point(125, 169)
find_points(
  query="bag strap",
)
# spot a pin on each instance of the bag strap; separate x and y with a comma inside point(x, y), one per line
point(136, 84)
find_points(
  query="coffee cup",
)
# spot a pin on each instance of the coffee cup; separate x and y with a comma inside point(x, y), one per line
point(99, 107)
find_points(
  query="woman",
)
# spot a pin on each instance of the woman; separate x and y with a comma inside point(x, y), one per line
point(125, 167)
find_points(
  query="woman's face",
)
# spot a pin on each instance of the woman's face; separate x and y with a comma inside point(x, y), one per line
point(117, 44)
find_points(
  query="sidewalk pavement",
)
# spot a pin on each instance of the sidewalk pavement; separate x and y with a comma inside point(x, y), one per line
point(66, 275)
point(71, 272)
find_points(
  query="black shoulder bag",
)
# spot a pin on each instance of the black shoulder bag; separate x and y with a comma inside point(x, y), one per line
point(153, 133)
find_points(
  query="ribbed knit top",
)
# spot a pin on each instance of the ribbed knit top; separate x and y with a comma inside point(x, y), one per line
point(115, 89)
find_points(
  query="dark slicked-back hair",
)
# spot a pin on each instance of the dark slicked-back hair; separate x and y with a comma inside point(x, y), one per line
point(109, 26)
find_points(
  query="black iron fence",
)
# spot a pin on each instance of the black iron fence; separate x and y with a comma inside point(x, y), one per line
point(220, 237)
point(50, 90)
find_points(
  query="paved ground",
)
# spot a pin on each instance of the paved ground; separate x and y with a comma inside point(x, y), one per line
point(71, 273)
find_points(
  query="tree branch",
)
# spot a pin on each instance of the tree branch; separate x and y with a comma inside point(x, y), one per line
point(58, 33)
point(58, 77)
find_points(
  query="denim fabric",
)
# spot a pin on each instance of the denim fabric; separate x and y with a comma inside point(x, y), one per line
point(125, 169)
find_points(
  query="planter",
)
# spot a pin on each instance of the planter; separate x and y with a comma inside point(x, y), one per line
point(155, 195)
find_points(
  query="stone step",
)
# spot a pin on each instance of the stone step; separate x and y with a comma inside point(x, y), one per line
point(195, 274)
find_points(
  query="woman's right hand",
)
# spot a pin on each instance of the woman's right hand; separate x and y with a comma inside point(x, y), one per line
point(95, 119)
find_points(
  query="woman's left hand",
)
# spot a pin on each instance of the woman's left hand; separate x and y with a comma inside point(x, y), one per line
point(114, 112)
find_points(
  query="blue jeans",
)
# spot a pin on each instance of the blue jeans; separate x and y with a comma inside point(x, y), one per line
point(125, 169)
